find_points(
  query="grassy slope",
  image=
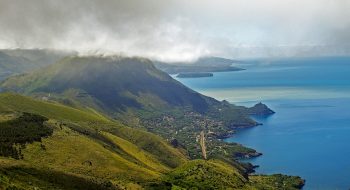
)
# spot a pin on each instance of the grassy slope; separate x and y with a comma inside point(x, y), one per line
point(17, 61)
point(14, 102)
point(212, 174)
point(11, 64)
point(116, 83)
point(215, 174)
point(276, 182)
point(69, 151)
point(21, 176)
point(144, 157)
point(151, 143)
point(101, 154)
point(73, 152)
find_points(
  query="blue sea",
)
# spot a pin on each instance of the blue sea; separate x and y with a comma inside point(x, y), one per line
point(309, 135)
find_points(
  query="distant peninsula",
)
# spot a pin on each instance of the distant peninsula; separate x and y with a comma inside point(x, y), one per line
point(202, 65)
point(260, 109)
point(194, 75)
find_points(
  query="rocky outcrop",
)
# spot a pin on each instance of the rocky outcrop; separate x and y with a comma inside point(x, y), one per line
point(260, 109)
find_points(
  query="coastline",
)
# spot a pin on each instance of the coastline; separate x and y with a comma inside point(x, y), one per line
point(312, 116)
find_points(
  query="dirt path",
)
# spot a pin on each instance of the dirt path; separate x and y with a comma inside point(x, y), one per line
point(202, 143)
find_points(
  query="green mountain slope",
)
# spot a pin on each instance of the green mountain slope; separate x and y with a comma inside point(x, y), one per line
point(215, 174)
point(13, 102)
point(98, 153)
point(10, 65)
point(17, 61)
point(135, 92)
point(117, 83)
point(92, 149)
point(39, 57)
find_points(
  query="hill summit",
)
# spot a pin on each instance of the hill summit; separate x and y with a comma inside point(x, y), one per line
point(115, 83)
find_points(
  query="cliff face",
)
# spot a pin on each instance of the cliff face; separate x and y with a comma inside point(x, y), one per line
point(260, 109)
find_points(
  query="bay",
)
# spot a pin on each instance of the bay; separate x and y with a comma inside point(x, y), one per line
point(309, 135)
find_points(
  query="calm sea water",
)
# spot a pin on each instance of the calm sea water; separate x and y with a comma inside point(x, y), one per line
point(309, 135)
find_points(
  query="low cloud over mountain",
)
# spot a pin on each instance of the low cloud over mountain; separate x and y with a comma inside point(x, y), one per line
point(177, 30)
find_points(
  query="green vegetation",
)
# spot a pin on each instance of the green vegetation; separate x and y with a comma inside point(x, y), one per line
point(86, 141)
point(12, 102)
point(145, 158)
point(260, 109)
point(215, 174)
point(98, 150)
point(212, 174)
point(133, 91)
point(109, 81)
point(23, 177)
point(17, 61)
point(102, 154)
point(14, 134)
point(184, 126)
point(276, 182)
point(168, 155)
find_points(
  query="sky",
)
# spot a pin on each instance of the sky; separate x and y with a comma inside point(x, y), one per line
point(179, 30)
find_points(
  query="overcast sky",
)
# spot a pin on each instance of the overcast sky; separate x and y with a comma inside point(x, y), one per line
point(179, 29)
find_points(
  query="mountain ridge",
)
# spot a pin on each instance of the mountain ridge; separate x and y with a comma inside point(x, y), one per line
point(19, 61)
point(84, 69)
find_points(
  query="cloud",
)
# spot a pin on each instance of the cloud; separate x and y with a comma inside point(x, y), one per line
point(179, 29)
